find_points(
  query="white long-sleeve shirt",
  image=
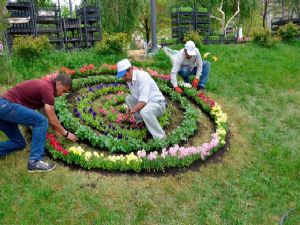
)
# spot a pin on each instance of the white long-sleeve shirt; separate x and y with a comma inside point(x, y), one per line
point(143, 87)
point(180, 60)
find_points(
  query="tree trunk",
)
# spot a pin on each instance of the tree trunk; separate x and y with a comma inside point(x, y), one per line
point(282, 9)
point(71, 8)
point(153, 25)
point(147, 30)
point(266, 2)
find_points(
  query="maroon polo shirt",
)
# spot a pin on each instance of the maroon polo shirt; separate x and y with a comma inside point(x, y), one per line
point(33, 94)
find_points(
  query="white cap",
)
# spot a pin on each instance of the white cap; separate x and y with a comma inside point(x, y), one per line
point(190, 47)
point(122, 66)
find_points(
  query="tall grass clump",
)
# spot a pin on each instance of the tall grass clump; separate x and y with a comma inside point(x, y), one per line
point(264, 38)
point(112, 44)
point(289, 32)
point(29, 47)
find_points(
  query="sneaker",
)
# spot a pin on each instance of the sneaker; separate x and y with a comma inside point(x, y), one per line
point(40, 166)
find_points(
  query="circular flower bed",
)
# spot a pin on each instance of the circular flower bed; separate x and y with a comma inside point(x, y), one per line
point(117, 143)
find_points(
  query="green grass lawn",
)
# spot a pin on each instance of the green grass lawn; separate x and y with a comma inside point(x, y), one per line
point(255, 182)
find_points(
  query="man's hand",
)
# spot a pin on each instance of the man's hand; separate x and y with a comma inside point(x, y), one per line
point(71, 137)
point(138, 106)
point(179, 90)
point(132, 111)
point(195, 83)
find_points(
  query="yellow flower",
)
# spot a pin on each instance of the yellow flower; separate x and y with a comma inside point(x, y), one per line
point(215, 58)
point(80, 149)
point(111, 158)
point(221, 118)
point(216, 108)
point(76, 150)
point(72, 149)
point(132, 157)
point(206, 55)
point(221, 132)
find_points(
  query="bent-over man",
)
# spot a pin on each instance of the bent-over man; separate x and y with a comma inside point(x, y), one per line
point(146, 100)
point(18, 106)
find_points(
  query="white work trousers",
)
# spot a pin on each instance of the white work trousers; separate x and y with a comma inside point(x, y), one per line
point(149, 114)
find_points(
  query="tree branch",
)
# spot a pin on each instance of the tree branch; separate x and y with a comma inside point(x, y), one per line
point(214, 17)
point(142, 22)
point(221, 11)
point(234, 15)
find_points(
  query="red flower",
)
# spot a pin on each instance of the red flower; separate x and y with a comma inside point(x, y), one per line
point(65, 152)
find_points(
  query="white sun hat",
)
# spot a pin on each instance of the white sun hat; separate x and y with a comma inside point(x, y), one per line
point(122, 67)
point(190, 47)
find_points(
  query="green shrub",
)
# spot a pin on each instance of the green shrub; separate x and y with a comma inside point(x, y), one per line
point(182, 9)
point(264, 38)
point(189, 9)
point(30, 47)
point(168, 41)
point(112, 44)
point(161, 60)
point(214, 37)
point(202, 9)
point(193, 36)
point(289, 32)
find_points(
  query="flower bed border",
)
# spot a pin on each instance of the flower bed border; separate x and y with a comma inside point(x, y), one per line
point(156, 161)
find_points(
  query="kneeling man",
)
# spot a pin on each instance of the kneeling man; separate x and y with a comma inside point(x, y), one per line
point(146, 100)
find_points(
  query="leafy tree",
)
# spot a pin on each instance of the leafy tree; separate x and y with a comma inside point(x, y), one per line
point(119, 15)
point(43, 3)
point(224, 22)
point(293, 7)
point(246, 9)
point(3, 19)
point(266, 4)
point(65, 11)
point(163, 18)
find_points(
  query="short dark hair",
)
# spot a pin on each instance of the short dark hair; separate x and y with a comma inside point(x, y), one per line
point(65, 80)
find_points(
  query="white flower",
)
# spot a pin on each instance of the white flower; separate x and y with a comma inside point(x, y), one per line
point(125, 106)
point(96, 154)
point(87, 156)
point(183, 84)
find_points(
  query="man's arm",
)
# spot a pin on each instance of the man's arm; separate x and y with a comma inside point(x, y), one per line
point(138, 106)
point(198, 64)
point(50, 113)
point(174, 71)
point(144, 86)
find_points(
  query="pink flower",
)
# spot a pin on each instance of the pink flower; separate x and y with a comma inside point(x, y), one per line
point(102, 111)
point(132, 120)
point(183, 152)
point(141, 153)
point(152, 155)
point(164, 153)
point(173, 151)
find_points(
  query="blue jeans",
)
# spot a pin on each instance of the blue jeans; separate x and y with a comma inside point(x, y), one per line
point(185, 73)
point(12, 114)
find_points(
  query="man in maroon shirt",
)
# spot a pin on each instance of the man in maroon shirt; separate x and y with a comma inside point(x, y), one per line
point(18, 106)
